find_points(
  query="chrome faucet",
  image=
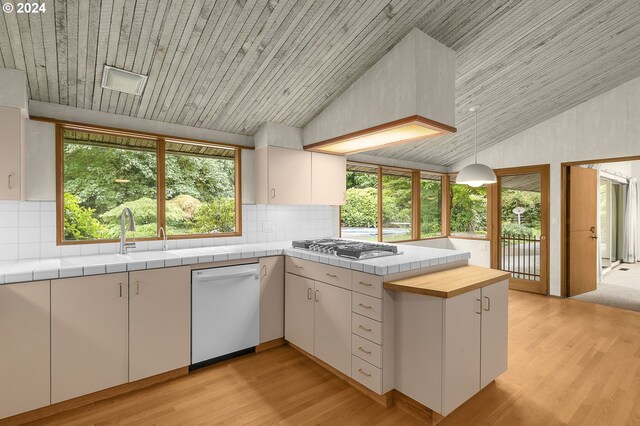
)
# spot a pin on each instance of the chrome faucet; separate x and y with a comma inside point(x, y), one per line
point(162, 233)
point(124, 245)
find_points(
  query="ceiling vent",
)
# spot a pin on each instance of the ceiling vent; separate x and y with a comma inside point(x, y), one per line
point(123, 81)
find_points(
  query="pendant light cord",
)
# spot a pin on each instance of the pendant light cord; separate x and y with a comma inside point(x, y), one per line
point(475, 132)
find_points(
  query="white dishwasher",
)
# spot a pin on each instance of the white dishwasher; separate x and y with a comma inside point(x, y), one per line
point(225, 313)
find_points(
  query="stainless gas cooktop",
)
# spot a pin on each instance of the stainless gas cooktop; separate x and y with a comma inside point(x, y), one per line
point(348, 248)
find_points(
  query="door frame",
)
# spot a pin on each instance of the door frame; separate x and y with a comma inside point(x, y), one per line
point(544, 171)
point(564, 213)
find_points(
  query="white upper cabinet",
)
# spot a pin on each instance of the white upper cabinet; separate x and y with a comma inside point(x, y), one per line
point(283, 176)
point(294, 176)
point(11, 158)
point(328, 179)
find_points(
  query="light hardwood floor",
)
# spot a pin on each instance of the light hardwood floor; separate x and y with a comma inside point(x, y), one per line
point(570, 362)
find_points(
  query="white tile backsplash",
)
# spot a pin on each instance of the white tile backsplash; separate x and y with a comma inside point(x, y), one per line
point(28, 230)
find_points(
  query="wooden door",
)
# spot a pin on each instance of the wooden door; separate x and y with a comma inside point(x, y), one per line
point(520, 227)
point(89, 334)
point(583, 230)
point(298, 311)
point(332, 326)
point(10, 160)
point(494, 332)
point(25, 340)
point(289, 176)
point(328, 179)
point(159, 321)
point(271, 298)
point(461, 374)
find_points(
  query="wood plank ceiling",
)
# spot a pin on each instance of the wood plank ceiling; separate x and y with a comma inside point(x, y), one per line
point(233, 65)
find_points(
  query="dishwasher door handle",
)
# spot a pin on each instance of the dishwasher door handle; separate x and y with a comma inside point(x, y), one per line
point(210, 278)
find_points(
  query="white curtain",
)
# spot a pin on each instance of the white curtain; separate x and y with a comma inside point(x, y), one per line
point(630, 244)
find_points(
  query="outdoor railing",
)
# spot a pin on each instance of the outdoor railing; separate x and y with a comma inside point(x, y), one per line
point(520, 255)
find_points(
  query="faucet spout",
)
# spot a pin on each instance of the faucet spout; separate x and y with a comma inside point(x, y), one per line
point(124, 245)
point(162, 233)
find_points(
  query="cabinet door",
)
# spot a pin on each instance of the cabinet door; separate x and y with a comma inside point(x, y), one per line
point(271, 298)
point(10, 160)
point(461, 373)
point(298, 311)
point(24, 357)
point(332, 326)
point(159, 321)
point(89, 334)
point(494, 345)
point(328, 179)
point(289, 176)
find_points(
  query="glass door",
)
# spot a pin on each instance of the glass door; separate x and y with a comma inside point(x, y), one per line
point(520, 227)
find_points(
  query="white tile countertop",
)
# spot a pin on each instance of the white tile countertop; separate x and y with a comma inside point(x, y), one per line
point(412, 257)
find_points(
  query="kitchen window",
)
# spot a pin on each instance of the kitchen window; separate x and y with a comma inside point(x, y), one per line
point(188, 188)
point(468, 207)
point(408, 201)
point(430, 205)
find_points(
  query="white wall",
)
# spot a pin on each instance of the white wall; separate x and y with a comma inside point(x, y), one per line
point(28, 230)
point(607, 126)
point(479, 249)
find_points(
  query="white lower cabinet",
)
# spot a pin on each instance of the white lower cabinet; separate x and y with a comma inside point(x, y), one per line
point(332, 331)
point(159, 321)
point(89, 334)
point(25, 342)
point(317, 320)
point(271, 298)
point(298, 311)
point(447, 349)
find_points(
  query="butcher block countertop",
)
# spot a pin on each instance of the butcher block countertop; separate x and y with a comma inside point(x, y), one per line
point(448, 283)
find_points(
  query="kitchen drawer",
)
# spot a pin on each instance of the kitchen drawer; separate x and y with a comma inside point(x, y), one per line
point(367, 284)
point(366, 305)
point(368, 351)
point(366, 374)
point(367, 328)
point(329, 274)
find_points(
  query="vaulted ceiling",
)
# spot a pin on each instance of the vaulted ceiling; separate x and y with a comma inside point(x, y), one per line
point(233, 65)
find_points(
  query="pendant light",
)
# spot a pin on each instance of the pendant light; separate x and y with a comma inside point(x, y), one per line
point(476, 174)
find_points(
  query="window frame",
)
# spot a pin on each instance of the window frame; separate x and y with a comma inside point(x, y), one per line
point(415, 201)
point(160, 140)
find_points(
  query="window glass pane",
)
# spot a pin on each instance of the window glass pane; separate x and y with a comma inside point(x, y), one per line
point(396, 205)
point(430, 205)
point(102, 175)
point(360, 213)
point(468, 211)
point(200, 189)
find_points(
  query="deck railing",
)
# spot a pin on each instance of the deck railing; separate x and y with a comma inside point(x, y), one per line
point(520, 255)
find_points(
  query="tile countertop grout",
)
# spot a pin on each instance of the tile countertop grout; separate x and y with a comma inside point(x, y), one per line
point(412, 257)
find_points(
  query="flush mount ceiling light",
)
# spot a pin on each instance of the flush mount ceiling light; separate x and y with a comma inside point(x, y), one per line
point(123, 81)
point(395, 132)
point(476, 174)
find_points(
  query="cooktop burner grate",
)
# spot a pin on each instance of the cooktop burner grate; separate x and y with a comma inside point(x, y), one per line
point(347, 248)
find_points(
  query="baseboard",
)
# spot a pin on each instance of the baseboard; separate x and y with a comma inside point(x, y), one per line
point(416, 409)
point(385, 400)
point(270, 345)
point(53, 409)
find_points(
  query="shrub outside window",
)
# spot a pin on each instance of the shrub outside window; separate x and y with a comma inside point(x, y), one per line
point(187, 188)
point(430, 205)
point(468, 211)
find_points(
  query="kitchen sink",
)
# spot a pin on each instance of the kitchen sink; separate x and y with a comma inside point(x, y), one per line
point(100, 259)
point(151, 255)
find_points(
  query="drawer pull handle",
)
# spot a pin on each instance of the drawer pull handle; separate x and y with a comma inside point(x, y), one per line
point(364, 373)
point(309, 293)
point(331, 275)
point(137, 287)
point(317, 295)
point(364, 306)
point(120, 289)
point(365, 284)
point(362, 327)
point(361, 349)
point(299, 267)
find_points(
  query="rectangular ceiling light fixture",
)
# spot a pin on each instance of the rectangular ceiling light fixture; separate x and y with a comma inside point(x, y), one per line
point(123, 81)
point(400, 131)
